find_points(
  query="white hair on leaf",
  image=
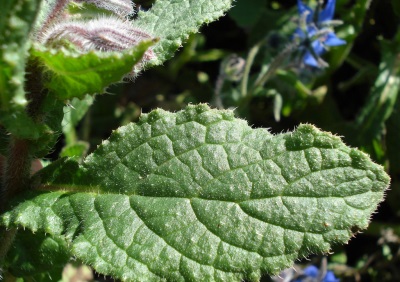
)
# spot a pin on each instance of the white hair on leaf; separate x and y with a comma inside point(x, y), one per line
point(103, 34)
point(120, 7)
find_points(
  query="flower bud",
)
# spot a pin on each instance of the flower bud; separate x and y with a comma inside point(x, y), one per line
point(122, 8)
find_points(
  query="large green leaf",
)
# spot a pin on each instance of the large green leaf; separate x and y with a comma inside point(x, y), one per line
point(75, 75)
point(17, 17)
point(198, 195)
point(173, 20)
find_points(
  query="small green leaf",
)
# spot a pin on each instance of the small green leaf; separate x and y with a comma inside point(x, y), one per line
point(75, 75)
point(73, 113)
point(198, 195)
point(30, 255)
point(174, 21)
point(78, 150)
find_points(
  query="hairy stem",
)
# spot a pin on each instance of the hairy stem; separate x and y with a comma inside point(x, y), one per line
point(6, 239)
point(274, 66)
point(16, 171)
point(261, 81)
point(249, 62)
point(217, 92)
point(16, 166)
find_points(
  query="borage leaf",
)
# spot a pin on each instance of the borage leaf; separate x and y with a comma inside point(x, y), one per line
point(73, 74)
point(174, 21)
point(198, 195)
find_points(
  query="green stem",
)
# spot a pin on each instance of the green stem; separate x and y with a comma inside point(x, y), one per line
point(71, 136)
point(16, 172)
point(17, 165)
point(262, 80)
point(218, 88)
point(15, 179)
point(274, 66)
point(249, 62)
point(6, 238)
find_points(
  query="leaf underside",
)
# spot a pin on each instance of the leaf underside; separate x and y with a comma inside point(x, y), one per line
point(198, 195)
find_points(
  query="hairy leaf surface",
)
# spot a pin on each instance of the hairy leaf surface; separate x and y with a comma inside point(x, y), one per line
point(75, 75)
point(198, 195)
point(173, 21)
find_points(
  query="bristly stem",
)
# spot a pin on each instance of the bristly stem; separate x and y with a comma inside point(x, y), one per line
point(6, 238)
point(249, 62)
point(274, 66)
point(54, 14)
point(16, 171)
point(16, 166)
point(218, 88)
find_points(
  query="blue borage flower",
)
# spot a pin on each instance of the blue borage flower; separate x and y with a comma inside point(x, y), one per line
point(312, 273)
point(315, 33)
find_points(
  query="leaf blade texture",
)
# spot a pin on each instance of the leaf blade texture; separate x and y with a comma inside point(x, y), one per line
point(199, 195)
point(174, 21)
point(75, 75)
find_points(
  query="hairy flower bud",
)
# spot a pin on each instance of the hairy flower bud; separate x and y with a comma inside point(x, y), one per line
point(232, 67)
point(104, 33)
point(53, 13)
point(120, 7)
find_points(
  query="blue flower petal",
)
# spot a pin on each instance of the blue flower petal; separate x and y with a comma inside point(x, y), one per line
point(311, 30)
point(332, 40)
point(305, 9)
point(311, 270)
point(299, 33)
point(309, 60)
point(318, 47)
point(330, 277)
point(327, 13)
